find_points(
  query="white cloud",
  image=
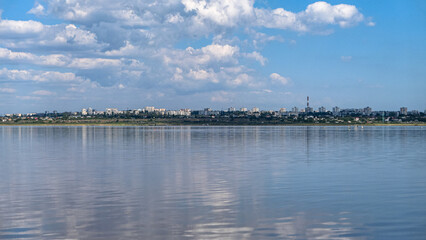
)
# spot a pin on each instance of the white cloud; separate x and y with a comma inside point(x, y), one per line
point(43, 93)
point(324, 13)
point(48, 60)
point(34, 35)
point(15, 74)
point(279, 79)
point(38, 9)
point(166, 20)
point(220, 52)
point(10, 28)
point(174, 18)
point(53, 60)
point(203, 75)
point(316, 14)
point(279, 18)
point(24, 57)
point(242, 80)
point(91, 63)
point(72, 34)
point(126, 50)
point(50, 76)
point(132, 43)
point(209, 54)
point(193, 69)
point(221, 12)
point(257, 56)
point(371, 24)
point(7, 90)
point(73, 9)
point(39, 76)
point(9, 55)
point(59, 60)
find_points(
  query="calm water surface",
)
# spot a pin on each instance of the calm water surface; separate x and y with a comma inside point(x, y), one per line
point(212, 183)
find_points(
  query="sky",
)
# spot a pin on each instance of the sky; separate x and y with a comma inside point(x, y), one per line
point(66, 55)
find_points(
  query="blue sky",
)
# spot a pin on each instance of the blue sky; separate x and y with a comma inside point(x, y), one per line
point(67, 55)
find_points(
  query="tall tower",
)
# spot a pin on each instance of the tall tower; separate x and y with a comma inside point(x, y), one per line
point(308, 109)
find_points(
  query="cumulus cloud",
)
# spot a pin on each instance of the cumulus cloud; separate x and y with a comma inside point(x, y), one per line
point(13, 28)
point(256, 56)
point(38, 9)
point(10, 55)
point(220, 52)
point(243, 80)
point(127, 50)
point(60, 60)
point(51, 76)
point(39, 76)
point(175, 18)
point(324, 13)
point(91, 63)
point(279, 18)
point(221, 12)
point(72, 34)
point(204, 68)
point(202, 75)
point(279, 79)
point(213, 53)
point(316, 14)
point(34, 35)
point(188, 18)
point(137, 44)
point(24, 57)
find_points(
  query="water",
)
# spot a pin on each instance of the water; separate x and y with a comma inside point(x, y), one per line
point(212, 182)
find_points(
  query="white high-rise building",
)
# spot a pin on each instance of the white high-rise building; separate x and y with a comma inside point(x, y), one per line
point(149, 109)
point(111, 111)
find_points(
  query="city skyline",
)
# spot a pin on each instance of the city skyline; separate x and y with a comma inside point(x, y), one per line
point(66, 55)
point(187, 111)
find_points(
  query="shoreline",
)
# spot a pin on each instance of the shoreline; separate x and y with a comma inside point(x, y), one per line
point(211, 125)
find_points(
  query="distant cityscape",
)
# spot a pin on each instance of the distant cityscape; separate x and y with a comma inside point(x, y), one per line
point(293, 115)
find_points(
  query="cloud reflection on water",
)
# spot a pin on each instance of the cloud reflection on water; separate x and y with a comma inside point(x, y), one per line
point(186, 182)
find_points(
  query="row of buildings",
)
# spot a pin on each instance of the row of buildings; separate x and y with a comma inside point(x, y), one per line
point(232, 111)
point(147, 110)
point(295, 111)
